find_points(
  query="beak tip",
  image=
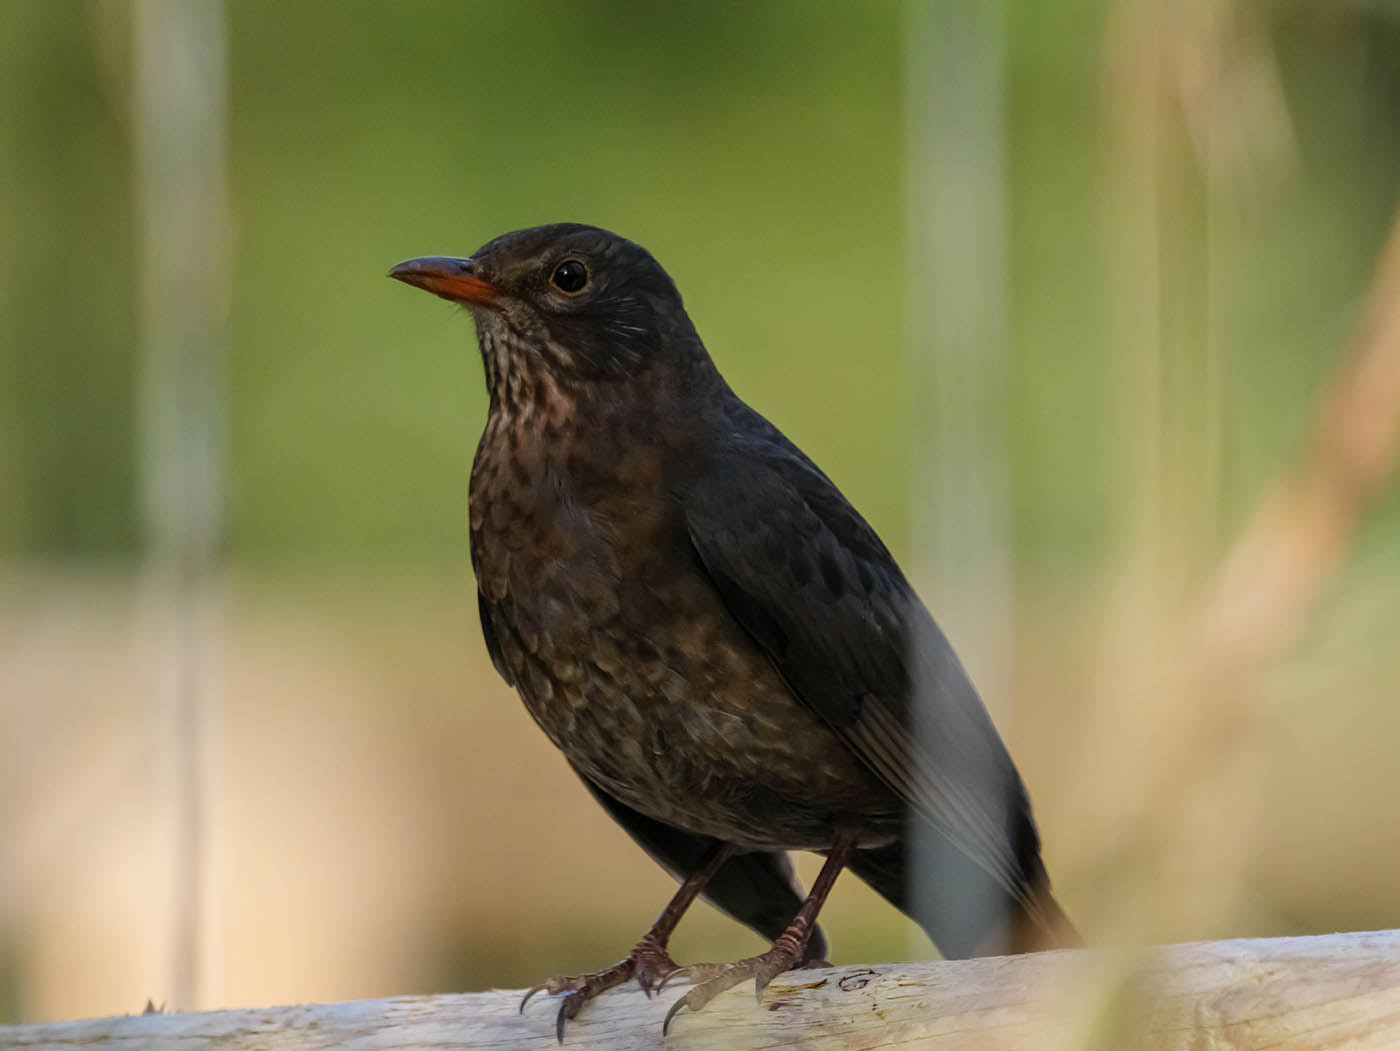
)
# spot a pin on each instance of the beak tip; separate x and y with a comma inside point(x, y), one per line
point(449, 278)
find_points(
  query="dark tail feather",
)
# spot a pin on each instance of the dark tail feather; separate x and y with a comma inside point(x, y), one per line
point(963, 910)
point(1042, 926)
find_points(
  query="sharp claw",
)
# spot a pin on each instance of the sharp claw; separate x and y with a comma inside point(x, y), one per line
point(583, 988)
point(696, 974)
point(652, 984)
point(675, 1008)
point(566, 1015)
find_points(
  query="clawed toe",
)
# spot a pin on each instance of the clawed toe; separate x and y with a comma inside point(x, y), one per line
point(570, 983)
point(654, 968)
point(569, 1009)
point(694, 974)
point(648, 963)
point(581, 989)
point(559, 984)
point(712, 979)
point(700, 995)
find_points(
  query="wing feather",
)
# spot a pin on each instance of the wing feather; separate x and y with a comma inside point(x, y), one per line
point(808, 578)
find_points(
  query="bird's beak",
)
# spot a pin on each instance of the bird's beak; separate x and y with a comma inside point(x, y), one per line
point(450, 278)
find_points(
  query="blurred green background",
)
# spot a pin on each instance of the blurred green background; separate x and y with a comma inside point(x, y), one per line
point(380, 816)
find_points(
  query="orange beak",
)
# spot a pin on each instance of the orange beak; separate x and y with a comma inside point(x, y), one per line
point(449, 278)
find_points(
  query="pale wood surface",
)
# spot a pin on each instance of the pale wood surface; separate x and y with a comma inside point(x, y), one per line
point(1334, 991)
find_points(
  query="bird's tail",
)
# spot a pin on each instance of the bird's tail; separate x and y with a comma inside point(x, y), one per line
point(962, 909)
point(1035, 926)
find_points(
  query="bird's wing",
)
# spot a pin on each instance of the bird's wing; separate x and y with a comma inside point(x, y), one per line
point(810, 581)
point(760, 889)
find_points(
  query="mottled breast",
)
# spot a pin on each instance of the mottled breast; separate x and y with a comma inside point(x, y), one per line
point(626, 657)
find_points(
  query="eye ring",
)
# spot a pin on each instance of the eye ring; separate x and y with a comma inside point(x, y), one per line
point(570, 276)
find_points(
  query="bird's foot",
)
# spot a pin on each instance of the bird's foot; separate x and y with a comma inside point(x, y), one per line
point(711, 979)
point(648, 962)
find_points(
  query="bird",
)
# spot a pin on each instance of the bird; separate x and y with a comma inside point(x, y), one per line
point(722, 648)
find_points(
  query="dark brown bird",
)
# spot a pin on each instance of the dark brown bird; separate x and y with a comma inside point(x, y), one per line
point(719, 644)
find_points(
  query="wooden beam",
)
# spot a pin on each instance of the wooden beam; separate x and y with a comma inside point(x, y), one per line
point(1329, 991)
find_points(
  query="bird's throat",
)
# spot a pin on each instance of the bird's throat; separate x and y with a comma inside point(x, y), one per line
point(526, 379)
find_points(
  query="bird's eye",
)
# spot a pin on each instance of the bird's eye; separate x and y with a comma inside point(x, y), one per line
point(569, 277)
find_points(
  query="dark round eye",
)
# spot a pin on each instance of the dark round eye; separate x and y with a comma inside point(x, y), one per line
point(569, 277)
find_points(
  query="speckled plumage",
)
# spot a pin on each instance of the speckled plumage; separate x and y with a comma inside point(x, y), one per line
point(622, 650)
point(718, 643)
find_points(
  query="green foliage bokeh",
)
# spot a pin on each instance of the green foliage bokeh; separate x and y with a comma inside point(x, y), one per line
point(757, 149)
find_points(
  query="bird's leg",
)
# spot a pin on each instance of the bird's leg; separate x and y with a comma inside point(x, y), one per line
point(648, 961)
point(785, 954)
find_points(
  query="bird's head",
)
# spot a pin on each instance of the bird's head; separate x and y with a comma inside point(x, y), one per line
point(575, 302)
